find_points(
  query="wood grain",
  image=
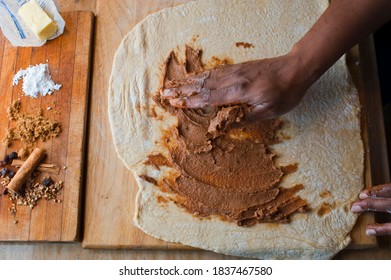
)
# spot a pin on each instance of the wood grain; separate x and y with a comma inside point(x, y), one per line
point(69, 61)
point(111, 188)
point(77, 5)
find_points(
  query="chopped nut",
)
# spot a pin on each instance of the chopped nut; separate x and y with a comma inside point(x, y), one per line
point(32, 192)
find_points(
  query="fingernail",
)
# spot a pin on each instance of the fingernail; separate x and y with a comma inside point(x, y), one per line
point(370, 231)
point(363, 195)
point(165, 93)
point(356, 209)
point(178, 102)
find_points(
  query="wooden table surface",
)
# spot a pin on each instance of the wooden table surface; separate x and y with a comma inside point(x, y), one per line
point(101, 156)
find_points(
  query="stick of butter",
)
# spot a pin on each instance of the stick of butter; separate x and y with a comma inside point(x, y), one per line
point(37, 20)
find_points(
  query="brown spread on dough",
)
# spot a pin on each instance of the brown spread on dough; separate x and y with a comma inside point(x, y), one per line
point(244, 45)
point(324, 209)
point(224, 171)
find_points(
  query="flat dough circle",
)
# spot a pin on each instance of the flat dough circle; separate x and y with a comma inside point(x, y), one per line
point(324, 130)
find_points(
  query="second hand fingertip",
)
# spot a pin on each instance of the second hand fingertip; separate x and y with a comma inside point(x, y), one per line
point(165, 92)
point(356, 209)
point(370, 232)
point(363, 195)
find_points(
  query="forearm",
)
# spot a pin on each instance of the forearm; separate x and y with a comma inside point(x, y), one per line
point(342, 25)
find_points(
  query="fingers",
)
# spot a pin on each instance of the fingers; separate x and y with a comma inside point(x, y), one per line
point(377, 198)
point(188, 87)
point(372, 204)
point(225, 96)
point(215, 79)
point(377, 191)
point(182, 91)
point(223, 77)
point(379, 229)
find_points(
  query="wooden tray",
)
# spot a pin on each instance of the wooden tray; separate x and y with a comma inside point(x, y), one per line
point(361, 61)
point(69, 58)
point(111, 188)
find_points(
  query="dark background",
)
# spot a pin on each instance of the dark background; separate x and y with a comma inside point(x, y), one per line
point(382, 39)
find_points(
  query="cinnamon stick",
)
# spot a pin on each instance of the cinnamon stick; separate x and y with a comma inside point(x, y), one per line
point(43, 167)
point(26, 170)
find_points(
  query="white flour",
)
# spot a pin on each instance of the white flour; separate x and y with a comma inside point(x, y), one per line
point(36, 79)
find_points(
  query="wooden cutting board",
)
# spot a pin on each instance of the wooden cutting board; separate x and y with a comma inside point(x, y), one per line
point(111, 188)
point(69, 59)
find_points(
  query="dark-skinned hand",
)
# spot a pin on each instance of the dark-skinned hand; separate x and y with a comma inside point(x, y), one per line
point(270, 87)
point(375, 199)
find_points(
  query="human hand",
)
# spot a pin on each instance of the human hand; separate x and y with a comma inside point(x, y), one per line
point(375, 199)
point(271, 87)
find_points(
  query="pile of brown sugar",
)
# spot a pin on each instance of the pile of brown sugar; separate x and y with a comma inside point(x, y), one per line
point(29, 128)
